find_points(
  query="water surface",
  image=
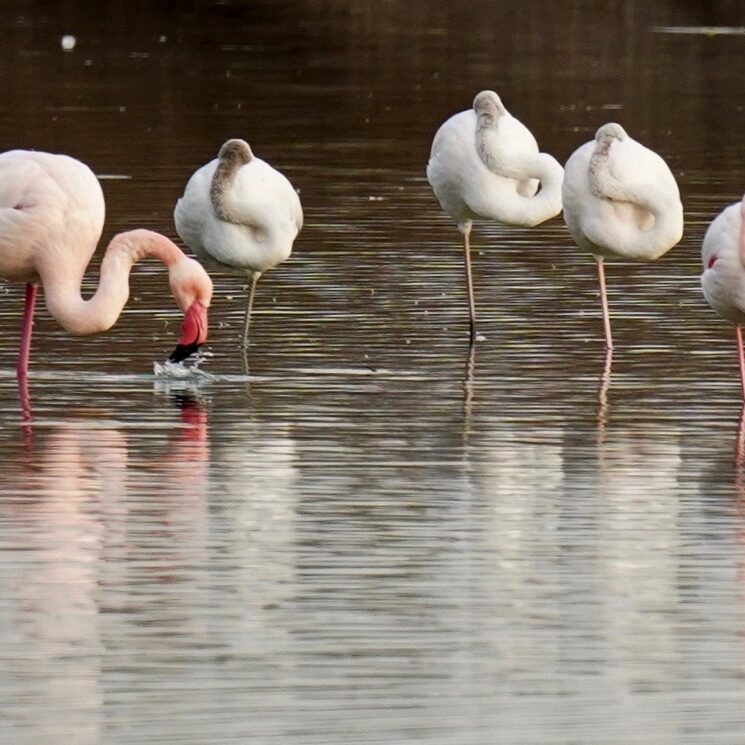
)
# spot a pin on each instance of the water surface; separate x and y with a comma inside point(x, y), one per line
point(373, 538)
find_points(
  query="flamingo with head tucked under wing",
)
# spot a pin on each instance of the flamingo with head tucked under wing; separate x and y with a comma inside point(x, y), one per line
point(51, 218)
point(485, 164)
point(621, 201)
point(240, 215)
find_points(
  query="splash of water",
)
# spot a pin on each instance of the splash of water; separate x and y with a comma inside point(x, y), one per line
point(187, 370)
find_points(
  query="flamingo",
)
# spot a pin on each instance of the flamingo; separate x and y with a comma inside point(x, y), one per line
point(621, 201)
point(240, 215)
point(723, 278)
point(51, 218)
point(485, 164)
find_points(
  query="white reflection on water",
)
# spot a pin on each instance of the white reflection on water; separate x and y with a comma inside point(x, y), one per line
point(66, 514)
point(701, 30)
point(356, 572)
point(255, 515)
point(50, 548)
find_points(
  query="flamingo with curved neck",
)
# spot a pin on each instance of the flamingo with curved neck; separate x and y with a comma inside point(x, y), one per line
point(239, 215)
point(485, 164)
point(621, 201)
point(51, 218)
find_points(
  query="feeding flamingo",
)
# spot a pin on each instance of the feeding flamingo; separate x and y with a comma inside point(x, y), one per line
point(485, 164)
point(621, 201)
point(51, 218)
point(240, 215)
point(723, 278)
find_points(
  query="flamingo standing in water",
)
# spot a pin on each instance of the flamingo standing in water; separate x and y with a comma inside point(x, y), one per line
point(723, 278)
point(51, 218)
point(620, 202)
point(240, 215)
point(485, 164)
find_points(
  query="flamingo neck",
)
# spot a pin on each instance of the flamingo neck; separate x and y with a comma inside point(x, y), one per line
point(492, 148)
point(228, 206)
point(496, 154)
point(100, 312)
point(222, 184)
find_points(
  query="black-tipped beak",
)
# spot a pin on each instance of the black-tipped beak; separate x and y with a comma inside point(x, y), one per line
point(183, 351)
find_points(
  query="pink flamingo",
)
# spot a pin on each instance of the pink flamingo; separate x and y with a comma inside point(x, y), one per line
point(51, 218)
point(723, 277)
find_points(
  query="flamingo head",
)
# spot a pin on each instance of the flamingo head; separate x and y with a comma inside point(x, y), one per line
point(193, 332)
point(608, 134)
point(192, 288)
point(489, 105)
point(235, 151)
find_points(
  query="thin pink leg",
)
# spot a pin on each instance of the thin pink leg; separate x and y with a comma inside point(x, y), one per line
point(25, 398)
point(28, 325)
point(469, 280)
point(604, 300)
point(603, 395)
point(741, 357)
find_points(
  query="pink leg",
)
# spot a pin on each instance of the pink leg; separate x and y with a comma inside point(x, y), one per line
point(469, 279)
point(28, 324)
point(604, 300)
point(741, 357)
point(603, 395)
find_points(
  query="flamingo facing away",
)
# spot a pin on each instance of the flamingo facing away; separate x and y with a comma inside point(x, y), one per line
point(485, 165)
point(240, 215)
point(620, 202)
point(723, 278)
point(51, 218)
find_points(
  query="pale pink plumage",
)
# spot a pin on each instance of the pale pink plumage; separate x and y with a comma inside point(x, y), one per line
point(723, 277)
point(51, 218)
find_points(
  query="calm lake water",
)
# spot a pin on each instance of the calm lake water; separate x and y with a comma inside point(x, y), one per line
point(373, 539)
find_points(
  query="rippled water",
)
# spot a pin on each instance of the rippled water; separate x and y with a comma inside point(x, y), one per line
point(373, 538)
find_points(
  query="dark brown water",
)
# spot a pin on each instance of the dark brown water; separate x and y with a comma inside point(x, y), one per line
point(363, 543)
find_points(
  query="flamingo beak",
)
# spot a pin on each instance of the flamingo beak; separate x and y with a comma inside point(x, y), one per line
point(193, 332)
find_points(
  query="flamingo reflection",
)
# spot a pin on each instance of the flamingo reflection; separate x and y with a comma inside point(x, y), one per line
point(67, 507)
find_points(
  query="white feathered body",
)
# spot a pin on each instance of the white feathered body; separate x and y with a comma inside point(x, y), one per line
point(723, 282)
point(466, 189)
point(273, 218)
point(618, 229)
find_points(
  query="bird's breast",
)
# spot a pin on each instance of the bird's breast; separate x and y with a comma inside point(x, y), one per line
point(723, 285)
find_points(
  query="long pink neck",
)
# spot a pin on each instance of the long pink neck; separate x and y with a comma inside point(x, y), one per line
point(100, 312)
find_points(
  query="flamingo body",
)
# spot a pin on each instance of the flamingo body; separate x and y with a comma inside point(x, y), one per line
point(45, 200)
point(611, 227)
point(621, 201)
point(51, 217)
point(246, 247)
point(240, 215)
point(464, 186)
point(723, 259)
point(723, 277)
point(485, 164)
